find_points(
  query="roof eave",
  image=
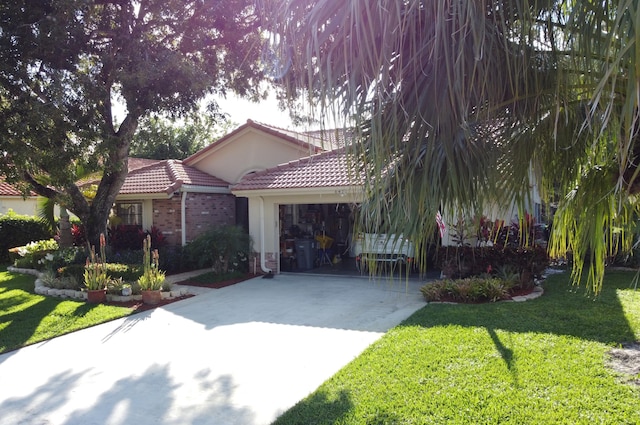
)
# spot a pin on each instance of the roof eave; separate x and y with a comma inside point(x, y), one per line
point(205, 189)
point(351, 191)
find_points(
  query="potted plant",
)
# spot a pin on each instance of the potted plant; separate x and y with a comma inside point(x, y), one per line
point(152, 278)
point(95, 275)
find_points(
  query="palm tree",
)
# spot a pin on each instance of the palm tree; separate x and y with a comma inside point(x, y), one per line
point(458, 102)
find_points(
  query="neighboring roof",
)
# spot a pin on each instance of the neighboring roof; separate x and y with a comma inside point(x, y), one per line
point(311, 143)
point(135, 163)
point(167, 177)
point(326, 139)
point(7, 189)
point(327, 169)
point(334, 138)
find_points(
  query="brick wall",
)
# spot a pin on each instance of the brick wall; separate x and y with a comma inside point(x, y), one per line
point(167, 218)
point(203, 210)
point(272, 261)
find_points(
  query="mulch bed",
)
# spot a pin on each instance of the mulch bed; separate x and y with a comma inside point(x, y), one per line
point(138, 306)
point(218, 285)
point(515, 293)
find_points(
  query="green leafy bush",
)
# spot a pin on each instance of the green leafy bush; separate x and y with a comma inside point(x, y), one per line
point(19, 230)
point(126, 272)
point(34, 255)
point(224, 248)
point(464, 261)
point(468, 290)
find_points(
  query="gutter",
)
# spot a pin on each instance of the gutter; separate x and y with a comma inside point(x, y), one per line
point(183, 216)
point(263, 257)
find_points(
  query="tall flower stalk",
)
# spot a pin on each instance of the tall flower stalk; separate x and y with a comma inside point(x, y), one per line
point(95, 271)
point(152, 277)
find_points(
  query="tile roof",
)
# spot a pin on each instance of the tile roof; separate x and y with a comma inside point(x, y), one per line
point(166, 177)
point(325, 139)
point(326, 169)
point(7, 189)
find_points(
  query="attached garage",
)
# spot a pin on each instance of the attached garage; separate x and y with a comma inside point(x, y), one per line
point(303, 203)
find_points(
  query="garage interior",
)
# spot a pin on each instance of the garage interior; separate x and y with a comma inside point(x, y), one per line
point(316, 236)
point(318, 239)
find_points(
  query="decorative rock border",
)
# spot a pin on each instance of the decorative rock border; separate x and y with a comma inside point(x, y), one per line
point(42, 289)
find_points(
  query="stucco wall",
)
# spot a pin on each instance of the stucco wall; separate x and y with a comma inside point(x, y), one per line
point(251, 150)
point(19, 205)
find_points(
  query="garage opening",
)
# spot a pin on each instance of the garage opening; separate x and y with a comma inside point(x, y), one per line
point(316, 238)
point(320, 239)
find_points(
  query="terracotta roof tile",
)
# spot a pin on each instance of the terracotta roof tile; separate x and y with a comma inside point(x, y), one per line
point(8, 190)
point(327, 169)
point(166, 177)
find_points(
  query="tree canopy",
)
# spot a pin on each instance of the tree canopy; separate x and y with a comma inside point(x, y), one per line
point(461, 103)
point(64, 65)
point(159, 137)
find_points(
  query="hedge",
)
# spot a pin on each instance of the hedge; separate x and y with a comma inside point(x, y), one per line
point(19, 230)
point(464, 261)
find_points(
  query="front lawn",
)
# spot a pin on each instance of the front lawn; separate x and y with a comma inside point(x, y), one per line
point(539, 362)
point(27, 318)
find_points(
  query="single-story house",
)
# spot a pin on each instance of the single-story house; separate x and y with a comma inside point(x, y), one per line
point(11, 199)
point(279, 184)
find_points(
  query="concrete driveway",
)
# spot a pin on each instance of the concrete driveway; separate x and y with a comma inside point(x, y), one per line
point(238, 355)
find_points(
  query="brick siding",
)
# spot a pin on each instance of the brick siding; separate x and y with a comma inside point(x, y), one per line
point(203, 210)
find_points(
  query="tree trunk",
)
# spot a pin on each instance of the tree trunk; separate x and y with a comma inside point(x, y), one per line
point(66, 239)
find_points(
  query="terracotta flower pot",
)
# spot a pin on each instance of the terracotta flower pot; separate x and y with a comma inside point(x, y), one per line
point(96, 296)
point(151, 297)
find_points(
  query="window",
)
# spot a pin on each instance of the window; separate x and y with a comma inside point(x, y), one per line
point(130, 213)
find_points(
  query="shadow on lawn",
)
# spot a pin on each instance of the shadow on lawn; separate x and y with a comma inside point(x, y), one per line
point(332, 409)
point(562, 310)
point(23, 324)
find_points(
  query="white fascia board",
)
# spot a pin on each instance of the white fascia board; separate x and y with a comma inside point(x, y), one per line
point(316, 191)
point(204, 189)
point(140, 196)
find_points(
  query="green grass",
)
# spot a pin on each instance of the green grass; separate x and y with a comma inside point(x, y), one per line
point(538, 362)
point(27, 318)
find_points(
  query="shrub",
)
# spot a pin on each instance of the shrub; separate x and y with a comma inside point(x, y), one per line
point(172, 259)
point(114, 286)
point(126, 256)
point(467, 290)
point(51, 280)
point(464, 261)
point(224, 248)
point(126, 237)
point(34, 255)
point(157, 237)
point(126, 272)
point(19, 230)
point(78, 235)
point(75, 271)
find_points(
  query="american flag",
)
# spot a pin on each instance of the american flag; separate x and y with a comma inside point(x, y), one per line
point(441, 226)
